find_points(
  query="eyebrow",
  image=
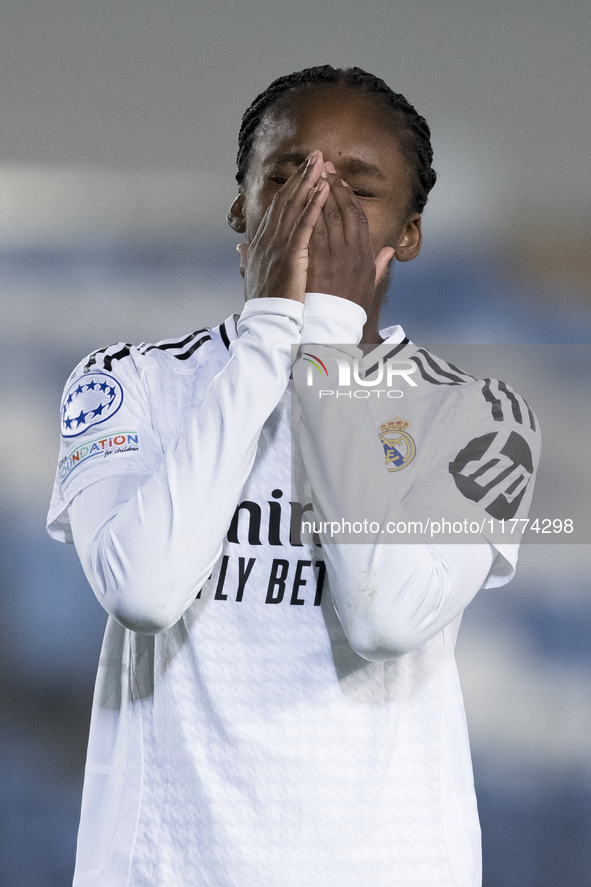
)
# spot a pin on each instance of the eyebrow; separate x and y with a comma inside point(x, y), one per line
point(355, 166)
point(295, 159)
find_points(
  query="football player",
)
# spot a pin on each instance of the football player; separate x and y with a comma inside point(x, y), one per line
point(277, 700)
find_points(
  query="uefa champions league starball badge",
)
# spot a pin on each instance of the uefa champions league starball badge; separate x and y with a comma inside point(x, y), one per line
point(399, 447)
point(88, 401)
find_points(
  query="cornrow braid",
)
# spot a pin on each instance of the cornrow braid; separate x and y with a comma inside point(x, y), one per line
point(411, 129)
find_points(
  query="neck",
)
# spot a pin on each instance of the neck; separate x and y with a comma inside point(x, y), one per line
point(371, 330)
point(371, 337)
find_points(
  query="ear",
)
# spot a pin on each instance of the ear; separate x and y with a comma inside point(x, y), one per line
point(409, 241)
point(235, 217)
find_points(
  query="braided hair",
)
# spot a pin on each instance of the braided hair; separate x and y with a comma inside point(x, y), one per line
point(412, 131)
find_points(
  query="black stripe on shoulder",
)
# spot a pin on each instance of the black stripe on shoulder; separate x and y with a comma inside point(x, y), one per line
point(516, 405)
point(186, 354)
point(187, 343)
point(495, 403)
point(514, 402)
point(426, 375)
point(391, 353)
point(92, 359)
point(436, 365)
point(169, 344)
point(461, 372)
point(224, 335)
point(532, 418)
point(107, 360)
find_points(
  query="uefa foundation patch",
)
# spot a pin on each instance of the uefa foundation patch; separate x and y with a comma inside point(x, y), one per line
point(104, 447)
point(89, 401)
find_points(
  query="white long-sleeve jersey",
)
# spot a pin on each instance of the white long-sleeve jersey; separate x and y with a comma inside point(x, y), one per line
point(242, 732)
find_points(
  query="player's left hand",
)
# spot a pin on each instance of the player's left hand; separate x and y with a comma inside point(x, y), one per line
point(341, 258)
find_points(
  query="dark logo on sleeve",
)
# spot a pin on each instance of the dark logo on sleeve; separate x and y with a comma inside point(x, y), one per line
point(496, 477)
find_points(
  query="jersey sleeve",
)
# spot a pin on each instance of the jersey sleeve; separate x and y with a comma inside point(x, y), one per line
point(484, 470)
point(105, 430)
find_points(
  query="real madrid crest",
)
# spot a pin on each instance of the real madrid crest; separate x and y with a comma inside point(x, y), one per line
point(399, 446)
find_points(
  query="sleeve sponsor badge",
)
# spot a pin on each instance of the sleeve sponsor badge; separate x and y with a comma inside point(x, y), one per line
point(90, 400)
point(494, 471)
point(111, 445)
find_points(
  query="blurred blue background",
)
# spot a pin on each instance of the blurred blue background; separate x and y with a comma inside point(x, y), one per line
point(117, 145)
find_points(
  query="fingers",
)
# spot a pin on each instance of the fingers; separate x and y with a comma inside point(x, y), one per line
point(294, 196)
point(305, 224)
point(291, 199)
point(345, 218)
point(275, 263)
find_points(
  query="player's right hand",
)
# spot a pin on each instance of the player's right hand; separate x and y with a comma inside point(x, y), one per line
point(275, 263)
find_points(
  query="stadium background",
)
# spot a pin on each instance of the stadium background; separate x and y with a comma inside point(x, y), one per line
point(117, 143)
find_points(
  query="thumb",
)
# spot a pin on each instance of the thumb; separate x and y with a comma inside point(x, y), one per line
point(243, 253)
point(383, 259)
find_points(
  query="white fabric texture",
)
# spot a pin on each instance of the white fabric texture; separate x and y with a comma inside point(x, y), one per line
point(330, 319)
point(237, 738)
